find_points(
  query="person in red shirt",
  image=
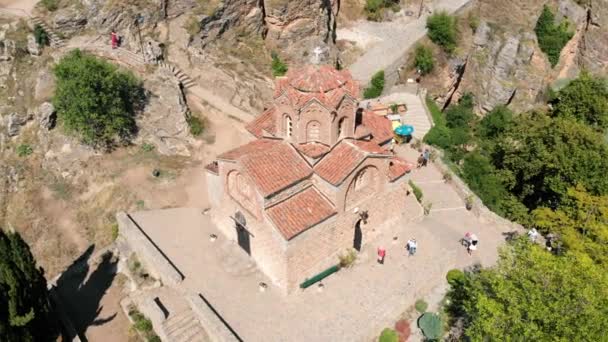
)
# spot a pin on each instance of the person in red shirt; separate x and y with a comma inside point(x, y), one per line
point(381, 255)
point(114, 38)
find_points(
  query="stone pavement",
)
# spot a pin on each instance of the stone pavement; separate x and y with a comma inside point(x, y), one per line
point(396, 40)
point(355, 304)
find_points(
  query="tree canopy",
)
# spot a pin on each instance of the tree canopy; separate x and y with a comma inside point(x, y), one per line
point(442, 30)
point(96, 100)
point(25, 312)
point(584, 99)
point(423, 59)
point(552, 37)
point(532, 295)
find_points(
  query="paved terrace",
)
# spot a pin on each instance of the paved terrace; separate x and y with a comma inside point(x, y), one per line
point(355, 303)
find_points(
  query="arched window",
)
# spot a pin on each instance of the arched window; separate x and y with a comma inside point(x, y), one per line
point(241, 191)
point(365, 183)
point(341, 126)
point(288, 126)
point(313, 130)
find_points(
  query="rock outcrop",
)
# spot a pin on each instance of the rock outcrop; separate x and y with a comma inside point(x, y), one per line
point(14, 121)
point(46, 115)
point(164, 120)
point(32, 46)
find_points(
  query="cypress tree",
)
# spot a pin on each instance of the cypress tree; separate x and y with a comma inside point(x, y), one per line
point(25, 311)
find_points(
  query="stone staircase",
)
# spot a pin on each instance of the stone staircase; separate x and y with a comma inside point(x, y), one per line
point(55, 40)
point(417, 117)
point(184, 327)
point(182, 77)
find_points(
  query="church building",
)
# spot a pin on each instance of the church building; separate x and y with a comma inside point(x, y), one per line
point(320, 178)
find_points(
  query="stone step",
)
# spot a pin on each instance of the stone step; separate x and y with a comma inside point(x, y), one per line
point(177, 323)
point(189, 334)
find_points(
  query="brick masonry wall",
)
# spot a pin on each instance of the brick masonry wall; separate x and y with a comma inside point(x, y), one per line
point(315, 112)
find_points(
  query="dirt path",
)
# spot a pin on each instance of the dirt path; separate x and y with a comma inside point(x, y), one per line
point(395, 41)
point(19, 8)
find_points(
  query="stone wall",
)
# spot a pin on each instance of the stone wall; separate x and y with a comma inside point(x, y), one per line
point(216, 329)
point(149, 255)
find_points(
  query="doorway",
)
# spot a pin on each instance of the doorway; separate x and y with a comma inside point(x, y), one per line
point(242, 235)
point(358, 238)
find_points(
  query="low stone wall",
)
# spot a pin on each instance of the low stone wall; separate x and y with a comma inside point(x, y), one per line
point(463, 191)
point(151, 256)
point(215, 327)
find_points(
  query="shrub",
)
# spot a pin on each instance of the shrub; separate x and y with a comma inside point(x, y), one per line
point(430, 324)
point(421, 306)
point(114, 231)
point(376, 86)
point(416, 190)
point(552, 37)
point(24, 150)
point(423, 59)
point(192, 26)
point(279, 68)
point(455, 276)
point(95, 100)
point(348, 259)
point(197, 126)
point(394, 108)
point(442, 30)
point(473, 21)
point(143, 324)
point(147, 147)
point(375, 8)
point(50, 5)
point(42, 38)
point(388, 335)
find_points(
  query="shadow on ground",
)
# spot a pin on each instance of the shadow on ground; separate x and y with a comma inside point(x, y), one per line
point(81, 288)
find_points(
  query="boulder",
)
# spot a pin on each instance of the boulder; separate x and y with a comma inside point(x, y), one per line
point(482, 34)
point(14, 123)
point(45, 85)
point(46, 115)
point(32, 46)
point(163, 122)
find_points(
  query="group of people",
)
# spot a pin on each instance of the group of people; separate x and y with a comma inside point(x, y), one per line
point(470, 241)
point(424, 158)
point(410, 246)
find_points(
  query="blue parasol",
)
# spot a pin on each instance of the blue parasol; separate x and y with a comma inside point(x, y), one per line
point(404, 130)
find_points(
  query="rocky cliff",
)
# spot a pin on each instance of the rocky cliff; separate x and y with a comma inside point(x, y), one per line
point(501, 63)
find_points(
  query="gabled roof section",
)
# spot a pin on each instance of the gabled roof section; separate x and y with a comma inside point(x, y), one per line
point(379, 126)
point(398, 167)
point(312, 149)
point(265, 122)
point(271, 164)
point(344, 158)
point(300, 212)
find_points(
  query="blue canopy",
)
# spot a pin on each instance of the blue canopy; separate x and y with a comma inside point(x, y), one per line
point(404, 130)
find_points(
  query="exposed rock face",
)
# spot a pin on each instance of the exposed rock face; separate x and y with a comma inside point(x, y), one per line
point(69, 20)
point(45, 85)
point(292, 28)
point(32, 45)
point(46, 115)
point(296, 28)
point(163, 122)
point(153, 51)
point(505, 65)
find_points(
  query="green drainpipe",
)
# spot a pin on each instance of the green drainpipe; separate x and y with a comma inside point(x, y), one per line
point(306, 283)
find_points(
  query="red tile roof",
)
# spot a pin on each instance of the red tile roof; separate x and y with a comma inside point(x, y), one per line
point(324, 83)
point(271, 164)
point(380, 127)
point(263, 122)
point(339, 162)
point(212, 167)
point(398, 167)
point(313, 149)
point(300, 212)
point(369, 146)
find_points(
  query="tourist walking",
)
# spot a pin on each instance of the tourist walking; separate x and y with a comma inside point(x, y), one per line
point(114, 39)
point(470, 241)
point(381, 255)
point(420, 161)
point(427, 157)
point(411, 246)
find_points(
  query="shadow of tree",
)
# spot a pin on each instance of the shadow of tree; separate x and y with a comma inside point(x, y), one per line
point(82, 289)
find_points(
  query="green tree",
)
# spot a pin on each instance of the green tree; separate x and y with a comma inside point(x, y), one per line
point(533, 295)
point(580, 222)
point(25, 312)
point(376, 86)
point(495, 122)
point(279, 68)
point(388, 335)
point(585, 99)
point(539, 158)
point(442, 30)
point(42, 38)
point(552, 37)
point(95, 100)
point(423, 59)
